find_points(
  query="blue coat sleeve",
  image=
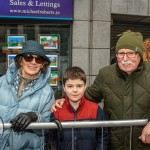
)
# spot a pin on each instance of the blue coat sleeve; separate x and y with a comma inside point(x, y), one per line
point(102, 134)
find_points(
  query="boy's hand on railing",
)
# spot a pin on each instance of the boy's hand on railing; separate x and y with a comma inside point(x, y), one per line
point(145, 136)
point(58, 104)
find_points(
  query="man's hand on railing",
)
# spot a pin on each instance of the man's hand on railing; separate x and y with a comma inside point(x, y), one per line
point(145, 136)
point(58, 104)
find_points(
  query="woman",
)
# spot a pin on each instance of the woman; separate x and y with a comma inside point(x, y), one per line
point(26, 97)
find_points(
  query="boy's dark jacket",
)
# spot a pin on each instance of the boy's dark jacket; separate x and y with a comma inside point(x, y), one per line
point(84, 138)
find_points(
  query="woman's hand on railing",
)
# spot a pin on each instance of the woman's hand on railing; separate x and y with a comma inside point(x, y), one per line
point(145, 136)
point(22, 120)
point(58, 104)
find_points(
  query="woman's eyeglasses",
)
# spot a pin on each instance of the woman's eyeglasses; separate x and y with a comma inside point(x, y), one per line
point(29, 58)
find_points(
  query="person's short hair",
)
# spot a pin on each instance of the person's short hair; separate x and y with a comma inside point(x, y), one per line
point(43, 69)
point(74, 73)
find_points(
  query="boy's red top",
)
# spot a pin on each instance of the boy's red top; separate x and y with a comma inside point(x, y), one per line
point(86, 110)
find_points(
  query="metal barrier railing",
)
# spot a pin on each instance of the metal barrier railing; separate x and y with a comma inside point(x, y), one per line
point(87, 124)
point(84, 124)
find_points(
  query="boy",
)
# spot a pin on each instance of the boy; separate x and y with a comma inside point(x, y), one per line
point(77, 108)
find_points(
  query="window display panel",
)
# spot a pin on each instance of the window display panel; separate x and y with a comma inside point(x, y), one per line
point(15, 41)
point(49, 42)
point(55, 39)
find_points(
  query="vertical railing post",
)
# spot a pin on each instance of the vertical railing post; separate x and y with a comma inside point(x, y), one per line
point(72, 138)
point(102, 139)
point(130, 137)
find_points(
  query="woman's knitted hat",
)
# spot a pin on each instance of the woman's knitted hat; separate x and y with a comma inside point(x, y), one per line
point(131, 40)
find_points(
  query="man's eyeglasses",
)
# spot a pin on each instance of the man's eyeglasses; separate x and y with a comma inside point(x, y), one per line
point(129, 54)
point(29, 58)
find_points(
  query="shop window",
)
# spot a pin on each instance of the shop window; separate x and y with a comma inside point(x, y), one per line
point(59, 49)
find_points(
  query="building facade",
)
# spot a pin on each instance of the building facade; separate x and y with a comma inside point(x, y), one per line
point(96, 25)
point(86, 40)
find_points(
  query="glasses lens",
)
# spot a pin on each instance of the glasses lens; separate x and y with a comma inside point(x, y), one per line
point(29, 58)
point(131, 54)
point(120, 55)
point(39, 60)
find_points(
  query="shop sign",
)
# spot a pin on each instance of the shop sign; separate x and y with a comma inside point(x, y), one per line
point(39, 9)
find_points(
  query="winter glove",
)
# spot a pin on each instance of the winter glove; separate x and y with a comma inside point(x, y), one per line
point(21, 121)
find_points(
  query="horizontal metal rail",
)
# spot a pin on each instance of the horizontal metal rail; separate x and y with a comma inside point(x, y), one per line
point(85, 124)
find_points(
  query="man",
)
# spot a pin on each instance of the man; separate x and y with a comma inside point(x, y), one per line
point(125, 88)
